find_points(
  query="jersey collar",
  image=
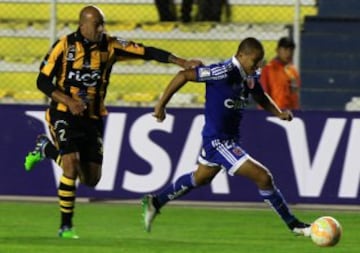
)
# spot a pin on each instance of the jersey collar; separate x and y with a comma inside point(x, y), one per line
point(83, 40)
point(239, 67)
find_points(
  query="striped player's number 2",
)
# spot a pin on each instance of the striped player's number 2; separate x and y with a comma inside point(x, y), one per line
point(62, 135)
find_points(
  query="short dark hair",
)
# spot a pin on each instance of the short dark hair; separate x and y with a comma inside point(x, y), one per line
point(249, 45)
point(286, 42)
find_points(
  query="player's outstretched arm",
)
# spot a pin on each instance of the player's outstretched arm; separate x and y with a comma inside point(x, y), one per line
point(175, 84)
point(160, 55)
point(186, 64)
point(269, 105)
point(131, 50)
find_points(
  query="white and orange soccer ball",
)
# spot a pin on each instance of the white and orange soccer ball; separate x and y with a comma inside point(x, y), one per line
point(326, 231)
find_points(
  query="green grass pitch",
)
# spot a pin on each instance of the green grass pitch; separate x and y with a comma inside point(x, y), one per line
point(31, 227)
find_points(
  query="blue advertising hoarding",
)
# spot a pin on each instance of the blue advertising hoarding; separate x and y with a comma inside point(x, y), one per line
point(314, 159)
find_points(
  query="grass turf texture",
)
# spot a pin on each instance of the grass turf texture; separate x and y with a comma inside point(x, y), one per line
point(32, 227)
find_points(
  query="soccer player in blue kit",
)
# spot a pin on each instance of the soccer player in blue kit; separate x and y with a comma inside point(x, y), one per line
point(228, 85)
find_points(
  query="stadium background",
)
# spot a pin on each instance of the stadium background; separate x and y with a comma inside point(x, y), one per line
point(29, 27)
point(328, 37)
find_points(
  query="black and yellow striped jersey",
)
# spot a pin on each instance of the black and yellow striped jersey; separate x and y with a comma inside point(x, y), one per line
point(81, 69)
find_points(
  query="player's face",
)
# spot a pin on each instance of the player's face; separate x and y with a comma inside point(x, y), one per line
point(285, 54)
point(93, 27)
point(251, 62)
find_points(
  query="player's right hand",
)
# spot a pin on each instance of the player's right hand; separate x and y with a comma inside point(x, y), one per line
point(286, 115)
point(159, 113)
point(77, 107)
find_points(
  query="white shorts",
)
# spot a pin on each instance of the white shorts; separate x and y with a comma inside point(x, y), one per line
point(224, 153)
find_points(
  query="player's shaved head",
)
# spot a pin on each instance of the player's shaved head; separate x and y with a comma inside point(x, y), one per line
point(250, 54)
point(250, 45)
point(91, 23)
point(90, 12)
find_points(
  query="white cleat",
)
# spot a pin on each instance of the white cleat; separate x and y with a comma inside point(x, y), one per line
point(300, 228)
point(306, 231)
point(149, 211)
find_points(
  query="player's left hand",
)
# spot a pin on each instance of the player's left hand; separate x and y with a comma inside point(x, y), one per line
point(286, 115)
point(192, 64)
point(159, 113)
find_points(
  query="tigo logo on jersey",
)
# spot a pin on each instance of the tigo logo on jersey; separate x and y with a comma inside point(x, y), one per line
point(88, 79)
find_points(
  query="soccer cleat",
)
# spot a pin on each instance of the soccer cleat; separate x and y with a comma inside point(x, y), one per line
point(67, 233)
point(300, 228)
point(37, 155)
point(149, 211)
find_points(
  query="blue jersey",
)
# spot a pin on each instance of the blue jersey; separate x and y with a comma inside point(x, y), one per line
point(227, 90)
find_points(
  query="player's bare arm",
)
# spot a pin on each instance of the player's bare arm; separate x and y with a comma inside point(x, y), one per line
point(131, 50)
point(186, 64)
point(269, 105)
point(175, 84)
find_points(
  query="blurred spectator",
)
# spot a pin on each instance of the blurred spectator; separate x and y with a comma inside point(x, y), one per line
point(280, 78)
point(208, 10)
point(167, 10)
point(186, 8)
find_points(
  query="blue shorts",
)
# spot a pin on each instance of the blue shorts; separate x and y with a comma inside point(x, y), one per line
point(226, 154)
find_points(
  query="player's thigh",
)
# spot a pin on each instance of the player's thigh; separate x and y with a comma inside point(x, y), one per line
point(91, 152)
point(90, 173)
point(255, 171)
point(91, 146)
point(65, 130)
point(204, 174)
point(70, 163)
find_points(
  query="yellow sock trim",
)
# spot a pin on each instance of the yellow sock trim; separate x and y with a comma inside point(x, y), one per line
point(63, 193)
point(63, 210)
point(66, 203)
point(67, 181)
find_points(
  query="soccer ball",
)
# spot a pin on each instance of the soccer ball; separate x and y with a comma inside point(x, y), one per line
point(326, 231)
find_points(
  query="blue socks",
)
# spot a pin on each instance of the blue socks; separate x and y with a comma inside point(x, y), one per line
point(276, 200)
point(186, 183)
point(180, 187)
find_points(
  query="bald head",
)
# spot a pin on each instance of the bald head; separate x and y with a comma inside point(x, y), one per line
point(91, 23)
point(89, 12)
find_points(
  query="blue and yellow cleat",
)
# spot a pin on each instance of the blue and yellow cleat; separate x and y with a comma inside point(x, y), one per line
point(37, 155)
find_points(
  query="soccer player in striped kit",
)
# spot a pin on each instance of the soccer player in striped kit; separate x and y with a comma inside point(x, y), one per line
point(75, 75)
point(228, 85)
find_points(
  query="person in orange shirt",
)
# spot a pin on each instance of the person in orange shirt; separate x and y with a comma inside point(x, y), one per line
point(280, 78)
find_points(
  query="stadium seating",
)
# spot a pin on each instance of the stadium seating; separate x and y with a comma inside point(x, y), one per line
point(336, 8)
point(29, 96)
point(125, 12)
point(139, 98)
point(330, 59)
point(25, 39)
point(3, 93)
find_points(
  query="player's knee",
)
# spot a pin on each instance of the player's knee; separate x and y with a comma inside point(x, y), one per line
point(265, 180)
point(70, 165)
point(201, 179)
point(90, 176)
point(93, 182)
point(90, 181)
